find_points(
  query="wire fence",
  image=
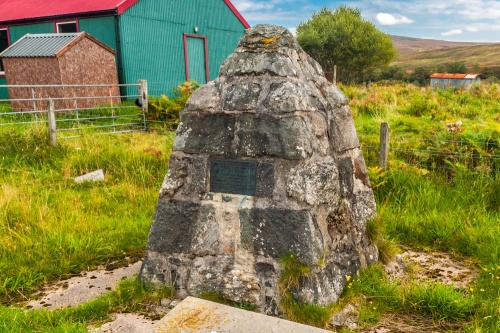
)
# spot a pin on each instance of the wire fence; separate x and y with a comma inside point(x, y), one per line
point(101, 109)
point(444, 155)
point(76, 109)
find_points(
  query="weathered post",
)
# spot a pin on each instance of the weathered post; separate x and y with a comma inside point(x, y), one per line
point(52, 122)
point(335, 75)
point(143, 99)
point(384, 145)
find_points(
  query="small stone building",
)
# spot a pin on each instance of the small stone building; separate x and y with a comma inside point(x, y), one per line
point(61, 59)
point(459, 81)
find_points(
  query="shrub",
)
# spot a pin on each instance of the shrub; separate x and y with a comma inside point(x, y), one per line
point(167, 109)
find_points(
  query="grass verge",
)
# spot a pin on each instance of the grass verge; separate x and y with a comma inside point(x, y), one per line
point(52, 227)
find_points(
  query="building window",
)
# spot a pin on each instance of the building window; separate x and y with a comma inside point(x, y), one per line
point(65, 27)
point(4, 43)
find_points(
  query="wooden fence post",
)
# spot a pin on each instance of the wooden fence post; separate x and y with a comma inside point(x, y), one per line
point(52, 123)
point(143, 99)
point(143, 94)
point(384, 145)
point(335, 75)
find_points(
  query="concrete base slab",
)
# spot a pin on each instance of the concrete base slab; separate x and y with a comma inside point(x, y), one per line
point(194, 315)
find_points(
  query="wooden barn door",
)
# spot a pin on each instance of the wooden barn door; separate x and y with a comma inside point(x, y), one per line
point(196, 58)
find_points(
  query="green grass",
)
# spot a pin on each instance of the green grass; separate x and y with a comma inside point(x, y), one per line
point(436, 195)
point(294, 271)
point(51, 227)
point(131, 296)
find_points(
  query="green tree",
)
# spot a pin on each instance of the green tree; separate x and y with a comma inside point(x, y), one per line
point(421, 76)
point(345, 39)
point(457, 68)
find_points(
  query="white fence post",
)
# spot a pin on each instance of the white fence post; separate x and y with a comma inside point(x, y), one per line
point(143, 99)
point(52, 123)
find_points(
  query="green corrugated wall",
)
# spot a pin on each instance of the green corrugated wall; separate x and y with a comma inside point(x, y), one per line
point(18, 31)
point(4, 94)
point(152, 39)
point(102, 28)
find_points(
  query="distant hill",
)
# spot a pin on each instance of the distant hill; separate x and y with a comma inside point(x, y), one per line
point(409, 45)
point(414, 52)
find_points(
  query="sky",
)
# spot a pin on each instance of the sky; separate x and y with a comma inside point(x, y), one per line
point(451, 20)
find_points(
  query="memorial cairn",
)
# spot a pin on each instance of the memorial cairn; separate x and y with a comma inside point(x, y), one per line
point(266, 164)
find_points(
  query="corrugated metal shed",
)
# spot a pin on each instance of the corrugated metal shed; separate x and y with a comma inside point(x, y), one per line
point(460, 81)
point(16, 10)
point(46, 45)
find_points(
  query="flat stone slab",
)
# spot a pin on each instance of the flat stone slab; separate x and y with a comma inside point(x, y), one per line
point(195, 315)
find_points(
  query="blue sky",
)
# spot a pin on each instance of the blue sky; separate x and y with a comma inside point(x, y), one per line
point(453, 20)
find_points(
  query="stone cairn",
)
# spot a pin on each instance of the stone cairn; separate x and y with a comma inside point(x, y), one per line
point(266, 163)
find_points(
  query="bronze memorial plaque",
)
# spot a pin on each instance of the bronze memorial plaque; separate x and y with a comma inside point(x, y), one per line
point(233, 176)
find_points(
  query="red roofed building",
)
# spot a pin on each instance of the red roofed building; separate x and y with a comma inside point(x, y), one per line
point(459, 81)
point(162, 41)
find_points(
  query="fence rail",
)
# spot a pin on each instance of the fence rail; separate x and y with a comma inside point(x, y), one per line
point(75, 108)
point(432, 154)
point(120, 115)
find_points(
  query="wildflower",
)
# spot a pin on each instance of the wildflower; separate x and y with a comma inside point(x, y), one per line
point(348, 277)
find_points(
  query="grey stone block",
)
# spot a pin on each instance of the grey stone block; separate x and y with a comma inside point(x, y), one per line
point(173, 226)
point(265, 135)
point(202, 133)
point(277, 232)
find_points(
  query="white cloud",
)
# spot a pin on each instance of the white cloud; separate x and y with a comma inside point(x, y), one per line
point(472, 29)
point(389, 19)
point(452, 32)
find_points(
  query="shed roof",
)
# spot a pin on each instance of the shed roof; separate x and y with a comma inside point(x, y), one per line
point(17, 10)
point(47, 45)
point(455, 76)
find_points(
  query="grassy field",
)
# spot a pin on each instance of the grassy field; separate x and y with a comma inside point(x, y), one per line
point(441, 192)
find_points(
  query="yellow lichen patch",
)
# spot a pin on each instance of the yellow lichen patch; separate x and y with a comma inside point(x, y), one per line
point(271, 40)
